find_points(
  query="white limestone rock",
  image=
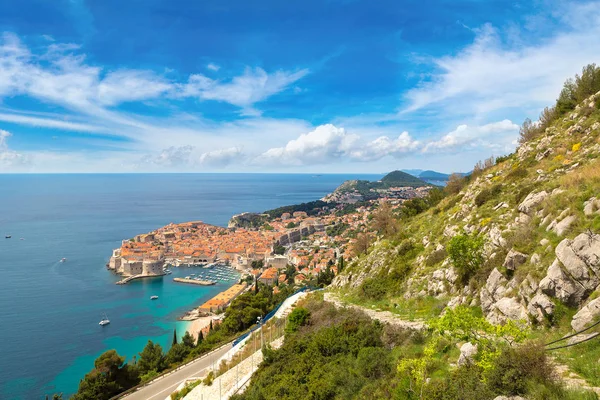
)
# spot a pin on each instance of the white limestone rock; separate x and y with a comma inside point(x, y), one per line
point(467, 353)
point(541, 307)
point(588, 314)
point(514, 259)
point(532, 200)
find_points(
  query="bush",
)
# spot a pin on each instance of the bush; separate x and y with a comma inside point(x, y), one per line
point(297, 318)
point(487, 194)
point(374, 289)
point(466, 253)
point(519, 367)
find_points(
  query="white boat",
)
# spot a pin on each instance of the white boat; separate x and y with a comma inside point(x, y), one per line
point(153, 297)
point(105, 320)
point(63, 259)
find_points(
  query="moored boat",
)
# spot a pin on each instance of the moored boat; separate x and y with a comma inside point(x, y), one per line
point(104, 321)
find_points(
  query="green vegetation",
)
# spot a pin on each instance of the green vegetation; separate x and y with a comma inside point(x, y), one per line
point(311, 208)
point(340, 353)
point(399, 178)
point(574, 92)
point(466, 253)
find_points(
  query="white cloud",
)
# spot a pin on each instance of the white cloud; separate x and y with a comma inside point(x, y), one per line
point(498, 71)
point(221, 157)
point(50, 123)
point(324, 144)
point(328, 144)
point(131, 85)
point(494, 135)
point(253, 86)
point(384, 146)
point(62, 76)
point(8, 158)
point(213, 67)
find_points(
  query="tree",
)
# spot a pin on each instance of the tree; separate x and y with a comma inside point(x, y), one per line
point(466, 253)
point(361, 244)
point(297, 318)
point(177, 353)
point(528, 130)
point(341, 265)
point(174, 337)
point(278, 249)
point(188, 340)
point(200, 338)
point(383, 220)
point(151, 358)
point(455, 183)
point(109, 377)
point(290, 225)
point(210, 327)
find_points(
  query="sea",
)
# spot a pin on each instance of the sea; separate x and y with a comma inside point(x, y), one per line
point(49, 310)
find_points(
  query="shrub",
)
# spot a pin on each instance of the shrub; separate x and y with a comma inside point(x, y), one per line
point(466, 253)
point(435, 257)
point(487, 194)
point(501, 159)
point(297, 318)
point(374, 289)
point(518, 367)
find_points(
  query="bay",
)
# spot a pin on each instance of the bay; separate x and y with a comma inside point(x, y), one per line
point(49, 311)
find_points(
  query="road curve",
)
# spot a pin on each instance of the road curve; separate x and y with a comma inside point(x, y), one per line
point(162, 388)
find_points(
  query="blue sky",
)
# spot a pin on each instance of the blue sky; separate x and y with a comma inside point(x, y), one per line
point(274, 86)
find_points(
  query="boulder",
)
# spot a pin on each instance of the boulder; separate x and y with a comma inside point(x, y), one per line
point(514, 259)
point(561, 226)
point(532, 200)
point(494, 289)
point(496, 238)
point(507, 308)
point(540, 307)
point(581, 258)
point(467, 353)
point(535, 259)
point(582, 337)
point(588, 314)
point(558, 284)
point(591, 207)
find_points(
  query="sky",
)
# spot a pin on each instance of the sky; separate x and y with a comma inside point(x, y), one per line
point(328, 86)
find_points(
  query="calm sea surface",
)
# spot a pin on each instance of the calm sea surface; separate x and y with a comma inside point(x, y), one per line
point(49, 311)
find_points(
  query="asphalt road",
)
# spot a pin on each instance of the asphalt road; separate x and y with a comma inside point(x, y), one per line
point(162, 388)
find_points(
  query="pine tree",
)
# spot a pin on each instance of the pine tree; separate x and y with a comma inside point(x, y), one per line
point(174, 337)
point(341, 265)
point(210, 327)
point(256, 286)
point(200, 338)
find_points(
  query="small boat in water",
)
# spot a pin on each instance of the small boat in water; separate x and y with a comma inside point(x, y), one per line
point(153, 297)
point(7, 237)
point(104, 321)
point(63, 259)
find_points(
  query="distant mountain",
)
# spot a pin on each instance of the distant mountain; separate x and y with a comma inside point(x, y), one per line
point(399, 178)
point(433, 176)
point(413, 172)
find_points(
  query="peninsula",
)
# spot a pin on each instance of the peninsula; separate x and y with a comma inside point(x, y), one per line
point(309, 237)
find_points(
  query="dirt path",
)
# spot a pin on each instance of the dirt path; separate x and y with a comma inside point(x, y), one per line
point(382, 316)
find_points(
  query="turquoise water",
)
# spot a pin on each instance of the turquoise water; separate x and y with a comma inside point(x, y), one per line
point(50, 310)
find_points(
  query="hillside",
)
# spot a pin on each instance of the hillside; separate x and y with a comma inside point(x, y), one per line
point(399, 178)
point(503, 269)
